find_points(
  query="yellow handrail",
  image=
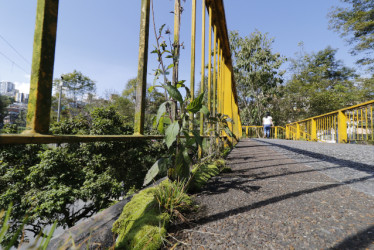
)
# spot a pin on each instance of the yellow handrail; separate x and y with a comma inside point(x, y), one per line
point(223, 95)
point(351, 124)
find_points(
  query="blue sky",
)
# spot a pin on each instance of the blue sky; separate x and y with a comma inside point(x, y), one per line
point(100, 38)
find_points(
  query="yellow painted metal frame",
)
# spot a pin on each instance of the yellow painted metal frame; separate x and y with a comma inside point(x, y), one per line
point(222, 84)
point(354, 123)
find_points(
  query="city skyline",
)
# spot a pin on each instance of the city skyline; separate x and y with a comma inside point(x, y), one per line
point(9, 89)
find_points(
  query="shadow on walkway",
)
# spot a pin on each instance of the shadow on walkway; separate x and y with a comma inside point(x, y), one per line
point(323, 157)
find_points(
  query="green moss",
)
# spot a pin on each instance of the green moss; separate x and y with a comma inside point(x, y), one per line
point(202, 173)
point(200, 176)
point(226, 152)
point(141, 224)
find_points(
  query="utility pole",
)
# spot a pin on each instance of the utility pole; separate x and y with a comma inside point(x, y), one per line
point(59, 99)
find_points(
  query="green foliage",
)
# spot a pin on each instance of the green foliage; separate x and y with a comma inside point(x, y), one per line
point(257, 74)
point(320, 84)
point(159, 168)
point(13, 242)
point(72, 87)
point(4, 102)
point(141, 225)
point(356, 21)
point(171, 123)
point(201, 173)
point(76, 84)
point(172, 197)
point(47, 183)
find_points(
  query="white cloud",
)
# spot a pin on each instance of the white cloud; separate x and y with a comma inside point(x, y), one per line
point(27, 76)
point(23, 87)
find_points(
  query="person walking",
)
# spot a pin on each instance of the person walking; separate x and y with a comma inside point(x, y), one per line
point(267, 122)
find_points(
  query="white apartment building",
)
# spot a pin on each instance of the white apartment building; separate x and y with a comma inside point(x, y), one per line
point(7, 88)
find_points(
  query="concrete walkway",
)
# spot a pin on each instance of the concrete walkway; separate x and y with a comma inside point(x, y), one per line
point(271, 201)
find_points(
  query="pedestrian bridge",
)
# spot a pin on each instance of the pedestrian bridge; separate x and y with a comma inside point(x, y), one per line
point(294, 190)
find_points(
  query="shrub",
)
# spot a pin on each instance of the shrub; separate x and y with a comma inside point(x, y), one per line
point(47, 182)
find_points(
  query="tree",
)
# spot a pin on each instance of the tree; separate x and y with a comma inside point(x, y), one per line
point(76, 84)
point(257, 74)
point(356, 22)
point(130, 90)
point(47, 183)
point(320, 83)
point(4, 102)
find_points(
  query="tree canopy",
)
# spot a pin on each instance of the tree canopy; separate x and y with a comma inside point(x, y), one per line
point(320, 84)
point(76, 84)
point(257, 74)
point(356, 22)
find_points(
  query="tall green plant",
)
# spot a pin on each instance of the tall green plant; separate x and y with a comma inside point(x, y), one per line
point(182, 142)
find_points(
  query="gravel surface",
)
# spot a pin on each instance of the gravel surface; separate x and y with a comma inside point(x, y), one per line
point(342, 162)
point(272, 201)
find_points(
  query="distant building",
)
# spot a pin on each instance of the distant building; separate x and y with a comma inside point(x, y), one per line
point(15, 111)
point(20, 97)
point(7, 88)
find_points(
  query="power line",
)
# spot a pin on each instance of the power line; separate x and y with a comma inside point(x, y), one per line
point(14, 63)
point(15, 50)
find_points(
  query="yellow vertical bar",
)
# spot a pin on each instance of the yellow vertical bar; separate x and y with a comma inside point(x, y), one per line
point(330, 126)
point(362, 125)
point(297, 131)
point(357, 122)
point(193, 53)
point(214, 93)
point(287, 132)
point(219, 78)
point(210, 59)
point(313, 130)
point(223, 86)
point(324, 128)
point(334, 126)
point(202, 89)
point(43, 57)
point(350, 123)
point(366, 123)
point(214, 70)
point(139, 117)
point(276, 133)
point(222, 82)
point(228, 96)
point(202, 63)
point(342, 127)
point(372, 122)
point(218, 82)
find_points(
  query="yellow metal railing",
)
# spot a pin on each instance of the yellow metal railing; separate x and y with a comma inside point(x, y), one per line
point(351, 124)
point(221, 84)
point(276, 132)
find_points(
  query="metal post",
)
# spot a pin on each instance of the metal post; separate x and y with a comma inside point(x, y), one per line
point(202, 70)
point(38, 115)
point(214, 71)
point(193, 45)
point(210, 58)
point(142, 69)
point(176, 45)
point(314, 130)
point(276, 132)
point(342, 128)
point(59, 103)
